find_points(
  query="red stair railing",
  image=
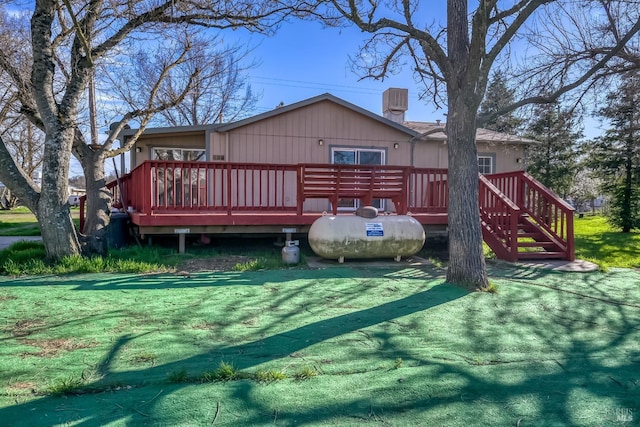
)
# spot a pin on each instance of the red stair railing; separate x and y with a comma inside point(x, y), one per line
point(544, 207)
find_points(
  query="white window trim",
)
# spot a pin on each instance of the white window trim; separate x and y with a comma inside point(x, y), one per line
point(492, 159)
point(202, 159)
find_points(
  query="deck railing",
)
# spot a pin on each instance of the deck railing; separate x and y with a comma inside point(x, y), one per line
point(166, 187)
point(499, 217)
point(335, 182)
point(429, 190)
point(547, 209)
point(171, 186)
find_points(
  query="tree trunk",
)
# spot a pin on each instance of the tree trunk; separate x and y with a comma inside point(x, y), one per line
point(52, 207)
point(57, 229)
point(98, 203)
point(466, 258)
point(464, 94)
point(627, 215)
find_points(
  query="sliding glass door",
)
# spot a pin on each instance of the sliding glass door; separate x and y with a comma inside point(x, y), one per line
point(357, 156)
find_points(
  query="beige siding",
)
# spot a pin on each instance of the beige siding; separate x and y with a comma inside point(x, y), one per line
point(433, 154)
point(430, 154)
point(294, 137)
point(506, 156)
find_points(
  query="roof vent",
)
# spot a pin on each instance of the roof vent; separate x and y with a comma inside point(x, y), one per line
point(395, 101)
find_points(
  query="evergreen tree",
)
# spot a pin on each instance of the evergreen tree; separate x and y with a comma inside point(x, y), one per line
point(554, 159)
point(616, 155)
point(498, 96)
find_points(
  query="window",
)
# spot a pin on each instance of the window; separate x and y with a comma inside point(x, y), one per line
point(357, 156)
point(486, 164)
point(178, 186)
point(186, 154)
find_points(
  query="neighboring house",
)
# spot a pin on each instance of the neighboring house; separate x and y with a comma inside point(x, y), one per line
point(281, 169)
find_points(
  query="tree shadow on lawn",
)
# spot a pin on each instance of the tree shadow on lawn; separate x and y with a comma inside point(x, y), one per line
point(250, 354)
point(580, 364)
point(544, 356)
point(124, 282)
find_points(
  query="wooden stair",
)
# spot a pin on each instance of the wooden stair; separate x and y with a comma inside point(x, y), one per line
point(523, 220)
point(534, 243)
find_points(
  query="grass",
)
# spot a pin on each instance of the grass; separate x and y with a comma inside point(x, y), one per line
point(595, 241)
point(18, 222)
point(65, 386)
point(269, 375)
point(224, 372)
point(598, 242)
point(28, 258)
point(333, 346)
point(21, 222)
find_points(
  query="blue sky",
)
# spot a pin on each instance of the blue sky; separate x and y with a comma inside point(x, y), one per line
point(304, 59)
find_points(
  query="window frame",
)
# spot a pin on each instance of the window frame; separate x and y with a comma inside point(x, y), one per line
point(380, 204)
point(492, 162)
point(202, 158)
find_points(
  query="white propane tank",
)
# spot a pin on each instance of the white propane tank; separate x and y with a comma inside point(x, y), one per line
point(345, 236)
point(290, 253)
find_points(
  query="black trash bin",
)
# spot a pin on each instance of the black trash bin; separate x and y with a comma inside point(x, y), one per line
point(118, 230)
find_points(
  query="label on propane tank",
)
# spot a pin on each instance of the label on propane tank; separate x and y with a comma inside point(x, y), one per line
point(374, 229)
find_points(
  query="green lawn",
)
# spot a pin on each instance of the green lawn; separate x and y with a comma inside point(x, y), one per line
point(327, 347)
point(21, 222)
point(596, 241)
point(18, 222)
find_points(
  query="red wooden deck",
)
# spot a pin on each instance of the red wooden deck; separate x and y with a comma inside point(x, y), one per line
point(520, 217)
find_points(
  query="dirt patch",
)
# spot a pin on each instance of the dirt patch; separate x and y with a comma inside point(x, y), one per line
point(23, 385)
point(203, 326)
point(7, 298)
point(53, 347)
point(221, 263)
point(25, 327)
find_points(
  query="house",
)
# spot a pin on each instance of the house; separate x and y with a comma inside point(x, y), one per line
point(283, 168)
point(326, 129)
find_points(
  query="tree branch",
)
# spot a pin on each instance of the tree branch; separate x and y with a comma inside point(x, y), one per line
point(552, 96)
point(15, 179)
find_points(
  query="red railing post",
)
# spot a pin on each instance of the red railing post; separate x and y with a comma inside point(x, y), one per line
point(513, 234)
point(300, 188)
point(571, 250)
point(229, 189)
point(406, 172)
point(147, 179)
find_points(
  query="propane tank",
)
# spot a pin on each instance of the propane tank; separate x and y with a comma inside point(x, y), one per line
point(291, 252)
point(355, 236)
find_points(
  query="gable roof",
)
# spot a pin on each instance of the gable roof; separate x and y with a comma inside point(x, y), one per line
point(310, 101)
point(429, 131)
point(422, 131)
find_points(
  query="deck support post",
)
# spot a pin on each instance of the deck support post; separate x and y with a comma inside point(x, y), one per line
point(181, 243)
point(181, 232)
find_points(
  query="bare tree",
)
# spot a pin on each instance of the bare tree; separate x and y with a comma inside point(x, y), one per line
point(24, 140)
point(557, 46)
point(221, 93)
point(68, 41)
